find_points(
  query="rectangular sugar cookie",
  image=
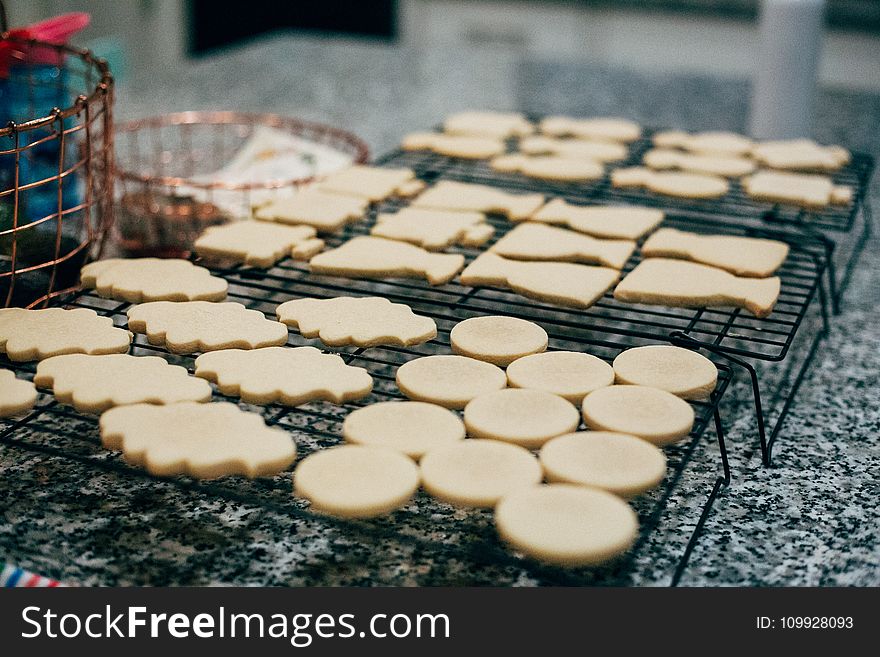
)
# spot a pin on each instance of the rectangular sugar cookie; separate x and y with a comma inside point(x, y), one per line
point(743, 256)
point(679, 283)
point(626, 222)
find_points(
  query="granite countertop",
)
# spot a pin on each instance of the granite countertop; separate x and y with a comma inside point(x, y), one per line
point(811, 519)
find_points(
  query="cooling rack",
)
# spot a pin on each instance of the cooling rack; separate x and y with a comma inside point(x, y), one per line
point(732, 334)
point(434, 527)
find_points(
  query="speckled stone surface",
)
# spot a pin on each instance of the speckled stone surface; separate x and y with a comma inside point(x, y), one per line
point(811, 519)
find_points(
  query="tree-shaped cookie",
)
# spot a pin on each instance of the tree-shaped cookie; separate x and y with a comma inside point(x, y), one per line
point(290, 376)
point(361, 321)
point(200, 440)
point(93, 384)
point(191, 326)
point(152, 279)
point(36, 334)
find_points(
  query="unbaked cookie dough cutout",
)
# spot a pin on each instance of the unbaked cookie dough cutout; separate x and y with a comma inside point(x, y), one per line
point(626, 222)
point(433, 230)
point(17, 395)
point(569, 374)
point(325, 212)
point(191, 326)
point(497, 339)
point(802, 189)
point(607, 129)
point(600, 151)
point(616, 462)
point(484, 123)
point(152, 279)
point(800, 155)
point(684, 284)
point(37, 334)
point(471, 197)
point(359, 321)
point(468, 147)
point(205, 441)
point(729, 166)
point(516, 415)
point(92, 384)
point(289, 376)
point(410, 427)
point(447, 380)
point(258, 243)
point(679, 184)
point(478, 473)
point(561, 283)
point(377, 257)
point(742, 256)
point(366, 182)
point(356, 481)
point(712, 142)
point(553, 168)
point(649, 413)
point(567, 525)
point(682, 372)
point(537, 241)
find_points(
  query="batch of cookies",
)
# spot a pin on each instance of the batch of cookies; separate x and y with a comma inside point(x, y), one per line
point(492, 424)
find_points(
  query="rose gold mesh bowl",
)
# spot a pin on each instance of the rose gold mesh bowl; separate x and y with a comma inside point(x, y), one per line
point(161, 161)
point(56, 185)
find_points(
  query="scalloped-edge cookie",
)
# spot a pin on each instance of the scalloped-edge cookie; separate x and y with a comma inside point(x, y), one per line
point(537, 241)
point(16, 395)
point(454, 195)
point(376, 257)
point(433, 230)
point(314, 207)
point(627, 222)
point(200, 440)
point(554, 168)
point(729, 166)
point(359, 321)
point(190, 326)
point(152, 279)
point(284, 375)
point(366, 182)
point(684, 284)
point(671, 183)
point(712, 142)
point(258, 243)
point(608, 129)
point(743, 256)
point(600, 151)
point(468, 147)
point(92, 384)
point(486, 123)
point(562, 283)
point(37, 334)
point(803, 189)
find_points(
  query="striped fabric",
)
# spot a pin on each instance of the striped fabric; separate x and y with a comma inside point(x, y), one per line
point(11, 577)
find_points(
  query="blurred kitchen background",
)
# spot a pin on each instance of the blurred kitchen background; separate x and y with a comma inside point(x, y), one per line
point(715, 37)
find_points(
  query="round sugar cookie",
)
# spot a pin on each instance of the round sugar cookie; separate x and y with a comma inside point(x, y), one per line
point(497, 339)
point(410, 427)
point(526, 417)
point(568, 374)
point(566, 525)
point(650, 413)
point(682, 372)
point(356, 481)
point(449, 381)
point(616, 462)
point(478, 472)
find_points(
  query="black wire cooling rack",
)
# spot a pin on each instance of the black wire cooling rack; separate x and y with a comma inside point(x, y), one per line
point(729, 336)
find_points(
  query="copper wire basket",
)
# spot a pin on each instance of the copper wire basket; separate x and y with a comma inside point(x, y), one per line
point(164, 166)
point(56, 162)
